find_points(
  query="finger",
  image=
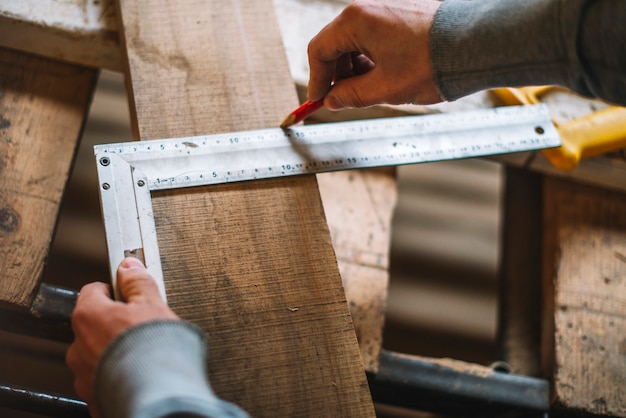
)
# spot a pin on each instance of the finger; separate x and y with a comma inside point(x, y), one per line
point(96, 291)
point(355, 92)
point(81, 357)
point(329, 45)
point(84, 392)
point(135, 283)
point(83, 374)
point(321, 73)
point(72, 359)
point(344, 68)
point(352, 64)
point(93, 298)
point(361, 64)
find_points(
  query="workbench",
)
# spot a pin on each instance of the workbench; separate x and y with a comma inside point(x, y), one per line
point(563, 302)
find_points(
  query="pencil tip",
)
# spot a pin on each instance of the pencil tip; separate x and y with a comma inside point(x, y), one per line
point(289, 120)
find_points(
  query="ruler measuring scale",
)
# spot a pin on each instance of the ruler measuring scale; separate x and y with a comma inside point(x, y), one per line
point(129, 171)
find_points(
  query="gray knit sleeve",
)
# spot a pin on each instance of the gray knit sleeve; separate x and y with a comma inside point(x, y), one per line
point(579, 44)
point(158, 370)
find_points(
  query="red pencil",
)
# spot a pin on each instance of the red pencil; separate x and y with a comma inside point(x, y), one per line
point(301, 113)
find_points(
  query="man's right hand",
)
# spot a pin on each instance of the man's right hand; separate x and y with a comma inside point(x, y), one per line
point(375, 52)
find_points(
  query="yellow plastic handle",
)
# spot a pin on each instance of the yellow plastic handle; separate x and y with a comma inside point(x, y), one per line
point(594, 134)
point(523, 95)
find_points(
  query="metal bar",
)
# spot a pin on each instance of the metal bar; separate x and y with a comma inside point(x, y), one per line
point(119, 211)
point(22, 399)
point(128, 217)
point(455, 388)
point(54, 303)
point(49, 316)
point(310, 149)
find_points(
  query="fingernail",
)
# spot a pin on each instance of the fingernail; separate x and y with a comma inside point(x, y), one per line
point(132, 262)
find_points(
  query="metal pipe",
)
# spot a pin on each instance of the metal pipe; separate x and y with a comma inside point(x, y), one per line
point(437, 385)
point(54, 303)
point(455, 388)
point(48, 316)
point(42, 403)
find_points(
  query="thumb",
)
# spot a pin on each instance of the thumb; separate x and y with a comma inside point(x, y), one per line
point(135, 284)
point(355, 92)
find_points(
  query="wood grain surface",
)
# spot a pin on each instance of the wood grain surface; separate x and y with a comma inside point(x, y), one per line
point(82, 32)
point(359, 206)
point(42, 107)
point(251, 263)
point(585, 279)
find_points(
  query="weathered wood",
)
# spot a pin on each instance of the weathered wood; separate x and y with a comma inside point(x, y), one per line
point(82, 32)
point(359, 217)
point(585, 282)
point(42, 107)
point(251, 263)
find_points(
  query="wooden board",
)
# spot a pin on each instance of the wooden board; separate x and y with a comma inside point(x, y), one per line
point(251, 263)
point(585, 282)
point(359, 206)
point(42, 107)
point(82, 32)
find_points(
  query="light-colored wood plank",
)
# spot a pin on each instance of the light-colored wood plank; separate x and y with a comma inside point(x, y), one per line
point(359, 206)
point(251, 263)
point(82, 32)
point(585, 282)
point(42, 107)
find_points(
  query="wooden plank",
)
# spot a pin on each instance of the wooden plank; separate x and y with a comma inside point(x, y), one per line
point(43, 104)
point(584, 278)
point(359, 207)
point(251, 263)
point(82, 32)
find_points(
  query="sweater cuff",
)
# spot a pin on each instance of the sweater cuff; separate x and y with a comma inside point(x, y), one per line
point(480, 44)
point(156, 369)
